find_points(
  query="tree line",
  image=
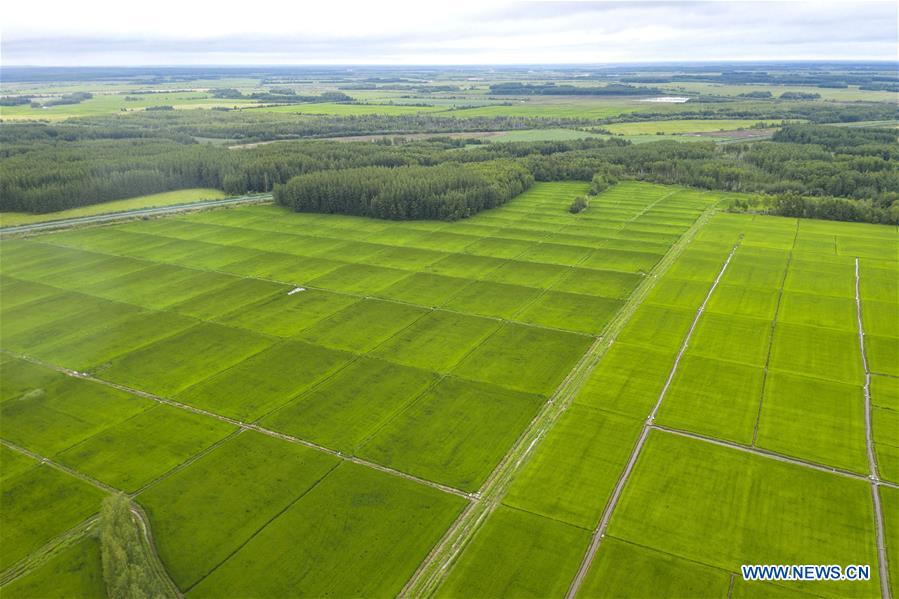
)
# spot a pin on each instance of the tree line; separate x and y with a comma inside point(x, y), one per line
point(442, 192)
point(127, 569)
point(54, 167)
point(47, 173)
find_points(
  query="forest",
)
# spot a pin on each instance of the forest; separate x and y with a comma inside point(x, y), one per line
point(49, 168)
point(443, 192)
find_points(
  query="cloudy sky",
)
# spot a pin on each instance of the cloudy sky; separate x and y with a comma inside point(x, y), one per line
point(184, 32)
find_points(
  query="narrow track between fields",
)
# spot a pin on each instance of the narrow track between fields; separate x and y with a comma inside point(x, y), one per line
point(248, 426)
point(436, 565)
point(599, 533)
point(780, 295)
point(874, 475)
point(136, 213)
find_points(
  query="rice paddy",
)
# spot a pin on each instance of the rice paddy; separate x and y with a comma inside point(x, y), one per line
point(310, 405)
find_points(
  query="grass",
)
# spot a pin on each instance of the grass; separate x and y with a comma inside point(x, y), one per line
point(14, 462)
point(21, 377)
point(686, 126)
point(177, 362)
point(455, 433)
point(621, 260)
point(531, 274)
point(196, 307)
point(573, 472)
point(732, 338)
point(360, 279)
point(92, 349)
point(838, 282)
point(724, 508)
point(739, 300)
point(159, 286)
point(364, 325)
point(628, 380)
point(167, 198)
point(816, 351)
point(382, 525)
point(424, 289)
point(541, 135)
point(263, 382)
point(890, 499)
point(571, 311)
point(505, 359)
point(539, 557)
point(53, 315)
point(820, 310)
point(606, 283)
point(883, 354)
point(556, 253)
point(660, 574)
point(229, 298)
point(879, 318)
point(437, 341)
point(76, 571)
point(713, 397)
point(678, 293)
point(106, 104)
point(130, 454)
point(48, 419)
point(349, 109)
point(486, 298)
point(658, 327)
point(886, 447)
point(206, 511)
point(818, 420)
point(350, 406)
point(38, 505)
point(877, 283)
point(287, 315)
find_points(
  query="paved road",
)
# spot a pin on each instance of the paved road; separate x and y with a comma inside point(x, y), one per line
point(102, 218)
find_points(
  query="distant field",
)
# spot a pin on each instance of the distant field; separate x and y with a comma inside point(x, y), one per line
point(102, 104)
point(350, 109)
point(561, 107)
point(386, 370)
point(684, 126)
point(168, 198)
point(848, 94)
point(542, 135)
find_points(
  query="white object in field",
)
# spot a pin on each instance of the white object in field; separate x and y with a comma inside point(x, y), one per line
point(668, 100)
point(296, 290)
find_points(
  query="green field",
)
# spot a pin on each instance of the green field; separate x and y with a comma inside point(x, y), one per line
point(304, 404)
point(168, 198)
point(349, 109)
point(685, 126)
point(106, 103)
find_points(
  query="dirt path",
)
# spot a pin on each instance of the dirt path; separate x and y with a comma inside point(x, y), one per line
point(138, 212)
point(436, 565)
point(152, 554)
point(644, 434)
point(874, 475)
point(780, 294)
point(772, 455)
point(242, 425)
point(27, 563)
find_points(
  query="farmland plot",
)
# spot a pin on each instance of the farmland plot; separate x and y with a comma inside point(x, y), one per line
point(386, 370)
point(773, 362)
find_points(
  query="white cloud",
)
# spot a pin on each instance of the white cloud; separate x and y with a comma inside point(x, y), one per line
point(101, 32)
